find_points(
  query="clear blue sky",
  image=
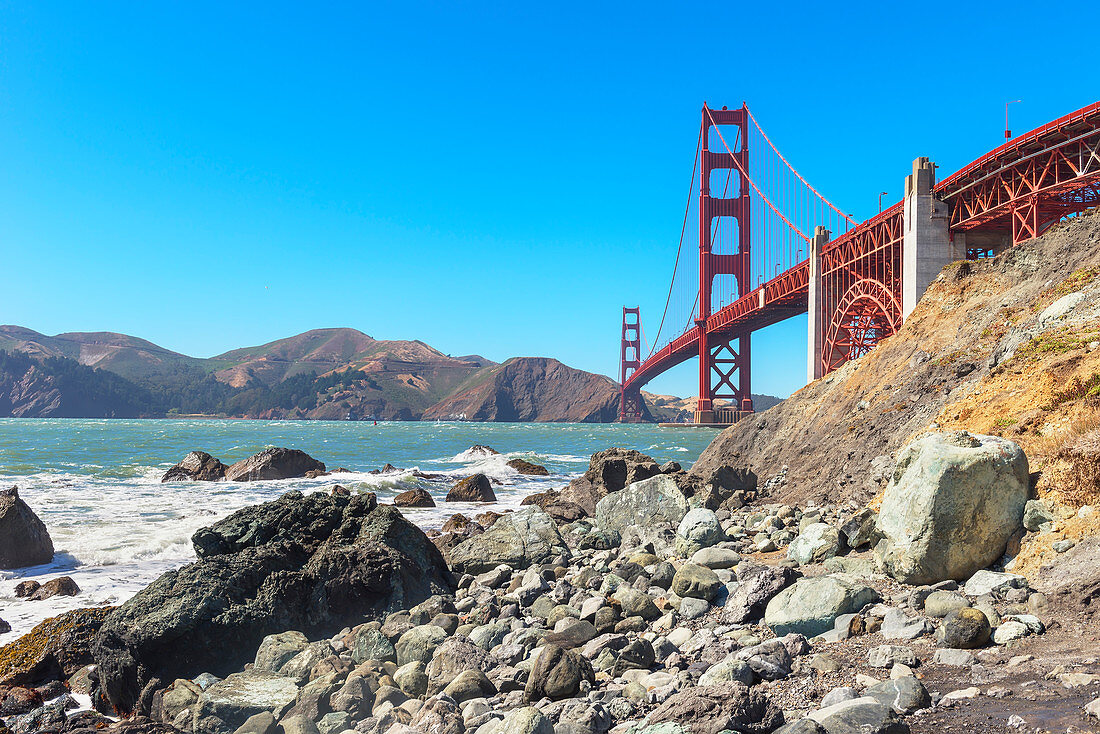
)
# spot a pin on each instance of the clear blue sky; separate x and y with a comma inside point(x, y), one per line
point(489, 178)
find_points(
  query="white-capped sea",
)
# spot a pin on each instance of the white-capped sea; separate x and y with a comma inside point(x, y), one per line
point(116, 527)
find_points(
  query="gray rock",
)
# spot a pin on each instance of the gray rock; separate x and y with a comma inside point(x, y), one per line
point(525, 720)
point(412, 679)
point(896, 625)
point(729, 670)
point(941, 603)
point(757, 584)
point(451, 659)
point(884, 656)
point(953, 657)
point(470, 684)
point(261, 723)
point(859, 530)
point(699, 529)
point(716, 558)
point(1010, 631)
point(904, 695)
point(197, 466)
point(519, 540)
point(276, 650)
point(557, 674)
point(24, 540)
point(419, 643)
point(859, 716)
point(812, 605)
point(770, 660)
point(227, 704)
point(698, 582)
point(814, 544)
point(802, 726)
point(636, 603)
point(839, 695)
point(992, 582)
point(371, 644)
point(954, 501)
point(1036, 512)
point(693, 608)
point(642, 504)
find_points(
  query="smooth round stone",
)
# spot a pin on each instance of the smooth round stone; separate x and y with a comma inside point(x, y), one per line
point(693, 608)
point(716, 558)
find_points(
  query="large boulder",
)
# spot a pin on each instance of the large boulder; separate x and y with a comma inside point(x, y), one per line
point(518, 539)
point(227, 704)
point(810, 606)
point(817, 542)
point(273, 463)
point(609, 471)
point(23, 537)
point(951, 506)
point(720, 708)
point(642, 504)
point(197, 466)
point(313, 563)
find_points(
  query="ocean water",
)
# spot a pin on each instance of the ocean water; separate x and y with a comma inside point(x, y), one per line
point(116, 527)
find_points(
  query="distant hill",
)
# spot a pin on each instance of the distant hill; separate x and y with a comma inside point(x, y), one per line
point(323, 374)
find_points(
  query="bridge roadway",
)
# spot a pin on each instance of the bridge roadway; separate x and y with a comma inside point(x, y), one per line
point(1017, 190)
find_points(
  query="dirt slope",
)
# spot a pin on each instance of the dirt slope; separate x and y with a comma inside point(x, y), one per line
point(1007, 346)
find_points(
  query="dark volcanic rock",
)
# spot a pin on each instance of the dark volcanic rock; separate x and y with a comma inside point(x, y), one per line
point(557, 674)
point(472, 489)
point(24, 540)
point(26, 588)
point(526, 467)
point(59, 646)
point(757, 584)
point(273, 463)
point(718, 708)
point(197, 466)
point(313, 563)
point(414, 498)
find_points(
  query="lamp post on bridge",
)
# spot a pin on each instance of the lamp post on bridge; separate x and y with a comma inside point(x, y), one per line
point(880, 195)
point(1008, 133)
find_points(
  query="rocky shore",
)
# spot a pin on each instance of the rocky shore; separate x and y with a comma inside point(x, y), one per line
point(640, 599)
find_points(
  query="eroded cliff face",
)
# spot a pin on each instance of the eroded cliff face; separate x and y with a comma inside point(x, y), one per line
point(532, 389)
point(32, 394)
point(1007, 346)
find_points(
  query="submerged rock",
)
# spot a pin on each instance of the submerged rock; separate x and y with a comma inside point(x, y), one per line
point(197, 466)
point(24, 540)
point(526, 467)
point(954, 501)
point(414, 498)
point(273, 463)
point(476, 488)
point(313, 563)
point(60, 586)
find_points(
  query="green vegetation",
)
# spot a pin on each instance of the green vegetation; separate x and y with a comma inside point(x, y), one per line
point(1078, 389)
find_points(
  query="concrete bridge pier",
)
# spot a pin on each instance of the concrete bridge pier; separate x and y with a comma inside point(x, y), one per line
point(926, 244)
point(815, 325)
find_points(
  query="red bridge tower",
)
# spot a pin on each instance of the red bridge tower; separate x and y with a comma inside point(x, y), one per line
point(724, 361)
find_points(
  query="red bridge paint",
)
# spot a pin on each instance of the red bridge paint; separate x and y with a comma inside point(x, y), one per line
point(1018, 190)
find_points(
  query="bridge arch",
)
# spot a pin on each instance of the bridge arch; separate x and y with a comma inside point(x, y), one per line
point(866, 313)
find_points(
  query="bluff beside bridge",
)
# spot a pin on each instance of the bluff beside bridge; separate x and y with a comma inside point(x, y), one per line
point(771, 247)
